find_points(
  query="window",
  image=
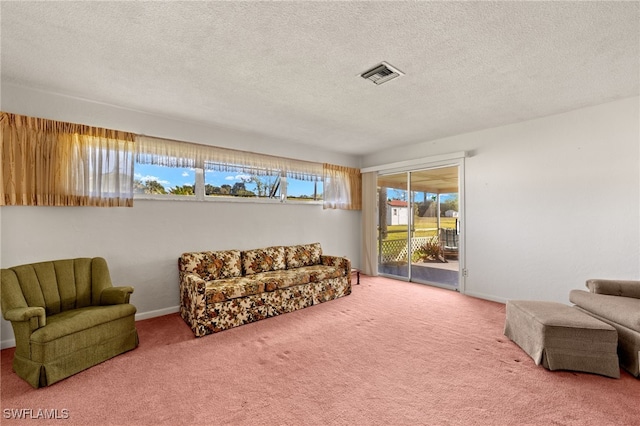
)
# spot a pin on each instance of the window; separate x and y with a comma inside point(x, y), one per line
point(304, 190)
point(162, 180)
point(168, 168)
point(240, 184)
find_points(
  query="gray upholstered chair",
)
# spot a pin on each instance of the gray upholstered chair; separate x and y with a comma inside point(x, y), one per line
point(616, 302)
point(66, 317)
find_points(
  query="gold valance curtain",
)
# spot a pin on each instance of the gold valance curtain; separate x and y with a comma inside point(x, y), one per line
point(342, 187)
point(51, 163)
point(172, 153)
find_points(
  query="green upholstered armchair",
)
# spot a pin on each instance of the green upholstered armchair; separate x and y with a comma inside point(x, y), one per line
point(66, 317)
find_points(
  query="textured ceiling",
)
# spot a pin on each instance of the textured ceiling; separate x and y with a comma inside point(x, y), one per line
point(291, 69)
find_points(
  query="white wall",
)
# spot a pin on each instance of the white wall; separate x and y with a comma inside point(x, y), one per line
point(549, 202)
point(142, 244)
point(28, 101)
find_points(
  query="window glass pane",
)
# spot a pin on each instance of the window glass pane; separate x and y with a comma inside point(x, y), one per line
point(303, 190)
point(151, 179)
point(239, 184)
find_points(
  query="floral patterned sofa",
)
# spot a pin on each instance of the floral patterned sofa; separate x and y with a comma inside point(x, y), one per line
point(225, 289)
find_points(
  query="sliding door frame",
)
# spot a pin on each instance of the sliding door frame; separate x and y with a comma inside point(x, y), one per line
point(454, 159)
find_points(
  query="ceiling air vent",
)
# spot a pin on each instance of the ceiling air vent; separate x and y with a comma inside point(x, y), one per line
point(381, 73)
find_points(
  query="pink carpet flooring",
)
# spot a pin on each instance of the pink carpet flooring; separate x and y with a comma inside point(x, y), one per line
point(391, 353)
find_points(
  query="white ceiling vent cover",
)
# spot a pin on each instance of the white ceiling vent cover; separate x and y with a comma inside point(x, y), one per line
point(381, 73)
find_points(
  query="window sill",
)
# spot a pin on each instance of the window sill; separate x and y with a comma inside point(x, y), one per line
point(209, 199)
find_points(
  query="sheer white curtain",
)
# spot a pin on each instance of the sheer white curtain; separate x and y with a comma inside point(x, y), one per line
point(342, 187)
point(102, 168)
point(369, 261)
point(172, 153)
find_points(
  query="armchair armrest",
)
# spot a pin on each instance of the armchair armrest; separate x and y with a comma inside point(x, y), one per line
point(25, 320)
point(115, 295)
point(624, 288)
point(35, 315)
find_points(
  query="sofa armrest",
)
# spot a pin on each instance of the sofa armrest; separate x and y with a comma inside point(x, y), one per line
point(193, 282)
point(624, 288)
point(115, 295)
point(193, 302)
point(341, 262)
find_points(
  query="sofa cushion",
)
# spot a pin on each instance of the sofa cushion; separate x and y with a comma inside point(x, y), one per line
point(232, 288)
point(282, 279)
point(303, 255)
point(263, 260)
point(212, 265)
point(322, 272)
point(621, 310)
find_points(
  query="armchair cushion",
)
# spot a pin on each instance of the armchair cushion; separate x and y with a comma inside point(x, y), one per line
point(77, 320)
point(621, 310)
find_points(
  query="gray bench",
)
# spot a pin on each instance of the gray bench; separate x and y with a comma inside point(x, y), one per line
point(561, 337)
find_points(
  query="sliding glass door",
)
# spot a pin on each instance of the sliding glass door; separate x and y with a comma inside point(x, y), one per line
point(419, 226)
point(393, 225)
point(435, 241)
